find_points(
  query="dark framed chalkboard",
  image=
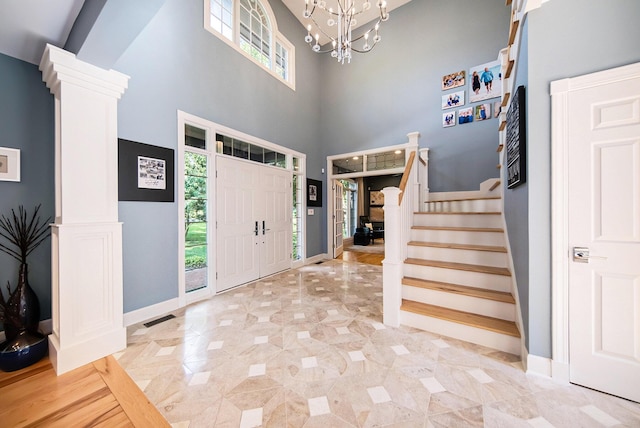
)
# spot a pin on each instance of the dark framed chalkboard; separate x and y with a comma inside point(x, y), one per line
point(516, 140)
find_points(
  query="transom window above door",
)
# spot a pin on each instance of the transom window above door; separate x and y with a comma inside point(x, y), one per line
point(250, 27)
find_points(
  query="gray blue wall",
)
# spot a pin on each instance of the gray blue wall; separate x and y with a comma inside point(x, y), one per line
point(565, 39)
point(516, 202)
point(175, 64)
point(380, 97)
point(27, 123)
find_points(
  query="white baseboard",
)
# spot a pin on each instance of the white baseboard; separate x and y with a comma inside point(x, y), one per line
point(317, 258)
point(45, 327)
point(149, 312)
point(540, 366)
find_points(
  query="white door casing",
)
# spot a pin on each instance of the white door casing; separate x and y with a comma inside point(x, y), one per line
point(599, 128)
point(338, 218)
point(253, 214)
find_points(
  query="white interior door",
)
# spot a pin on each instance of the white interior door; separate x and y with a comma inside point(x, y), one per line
point(338, 218)
point(604, 219)
point(253, 208)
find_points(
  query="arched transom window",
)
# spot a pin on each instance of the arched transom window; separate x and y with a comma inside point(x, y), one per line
point(250, 27)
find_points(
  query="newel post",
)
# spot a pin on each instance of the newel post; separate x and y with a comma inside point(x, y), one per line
point(392, 263)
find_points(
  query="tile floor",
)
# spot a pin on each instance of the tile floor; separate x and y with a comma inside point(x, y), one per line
point(307, 348)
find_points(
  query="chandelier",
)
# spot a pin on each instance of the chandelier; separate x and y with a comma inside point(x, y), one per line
point(340, 20)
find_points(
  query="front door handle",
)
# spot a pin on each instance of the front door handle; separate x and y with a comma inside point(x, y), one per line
point(256, 229)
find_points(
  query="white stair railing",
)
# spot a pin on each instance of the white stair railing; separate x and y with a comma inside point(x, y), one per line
point(399, 206)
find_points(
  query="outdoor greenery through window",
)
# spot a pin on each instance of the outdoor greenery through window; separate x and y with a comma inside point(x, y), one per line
point(296, 253)
point(249, 26)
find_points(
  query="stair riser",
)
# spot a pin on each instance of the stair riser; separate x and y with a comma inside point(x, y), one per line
point(454, 276)
point(458, 237)
point(490, 308)
point(474, 257)
point(482, 205)
point(457, 220)
point(479, 336)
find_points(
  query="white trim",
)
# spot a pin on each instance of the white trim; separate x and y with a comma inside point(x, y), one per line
point(149, 312)
point(317, 258)
point(275, 35)
point(538, 365)
point(559, 205)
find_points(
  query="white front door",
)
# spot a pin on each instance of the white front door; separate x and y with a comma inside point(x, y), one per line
point(253, 221)
point(338, 218)
point(604, 233)
point(275, 210)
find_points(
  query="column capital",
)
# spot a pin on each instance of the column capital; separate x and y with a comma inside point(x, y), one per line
point(59, 66)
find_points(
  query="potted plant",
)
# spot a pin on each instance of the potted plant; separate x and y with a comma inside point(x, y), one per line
point(20, 312)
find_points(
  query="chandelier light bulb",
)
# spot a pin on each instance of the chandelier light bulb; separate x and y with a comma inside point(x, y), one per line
point(331, 22)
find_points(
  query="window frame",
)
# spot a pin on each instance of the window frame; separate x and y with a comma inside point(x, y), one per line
point(276, 37)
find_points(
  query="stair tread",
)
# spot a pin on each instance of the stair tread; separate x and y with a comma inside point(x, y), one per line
point(474, 320)
point(481, 293)
point(470, 198)
point(459, 266)
point(489, 248)
point(460, 229)
point(459, 212)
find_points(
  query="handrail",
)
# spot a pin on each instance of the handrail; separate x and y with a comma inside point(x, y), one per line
point(405, 175)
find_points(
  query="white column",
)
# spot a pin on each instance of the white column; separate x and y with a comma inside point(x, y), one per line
point(393, 261)
point(87, 310)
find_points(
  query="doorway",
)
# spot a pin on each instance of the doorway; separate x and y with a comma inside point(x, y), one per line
point(596, 210)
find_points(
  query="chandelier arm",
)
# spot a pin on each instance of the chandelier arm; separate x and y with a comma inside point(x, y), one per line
point(321, 30)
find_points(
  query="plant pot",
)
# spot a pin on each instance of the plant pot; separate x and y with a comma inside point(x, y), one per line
point(25, 349)
point(25, 305)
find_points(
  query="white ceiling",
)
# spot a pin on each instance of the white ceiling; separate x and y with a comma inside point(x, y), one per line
point(27, 25)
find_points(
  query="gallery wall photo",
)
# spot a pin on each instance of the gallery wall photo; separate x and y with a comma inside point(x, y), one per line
point(145, 172)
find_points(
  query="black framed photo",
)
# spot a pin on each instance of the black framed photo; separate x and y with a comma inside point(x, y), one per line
point(145, 172)
point(516, 140)
point(314, 193)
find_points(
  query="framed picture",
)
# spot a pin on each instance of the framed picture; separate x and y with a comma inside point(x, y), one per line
point(9, 164)
point(453, 80)
point(314, 193)
point(485, 81)
point(145, 172)
point(482, 112)
point(465, 115)
point(448, 119)
point(454, 99)
point(497, 108)
point(376, 197)
point(516, 140)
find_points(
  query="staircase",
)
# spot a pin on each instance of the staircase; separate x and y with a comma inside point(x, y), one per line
point(456, 280)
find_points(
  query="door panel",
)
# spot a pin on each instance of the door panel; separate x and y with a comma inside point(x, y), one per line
point(604, 212)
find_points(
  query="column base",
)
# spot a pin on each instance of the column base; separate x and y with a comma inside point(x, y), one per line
point(64, 359)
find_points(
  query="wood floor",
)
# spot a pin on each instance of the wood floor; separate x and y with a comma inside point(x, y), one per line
point(100, 394)
point(368, 258)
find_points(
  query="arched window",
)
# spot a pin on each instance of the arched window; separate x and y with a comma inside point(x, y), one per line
point(250, 27)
